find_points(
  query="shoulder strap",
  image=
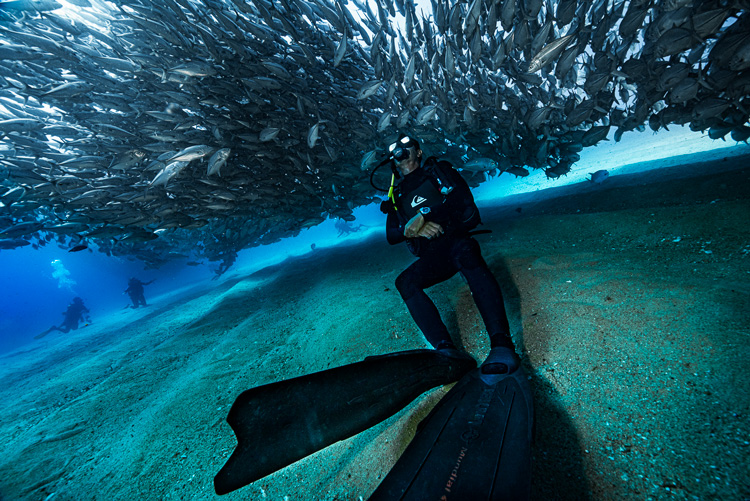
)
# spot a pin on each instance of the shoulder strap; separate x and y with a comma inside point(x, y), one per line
point(438, 170)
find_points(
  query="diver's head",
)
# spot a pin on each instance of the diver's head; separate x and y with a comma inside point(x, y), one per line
point(405, 153)
point(77, 300)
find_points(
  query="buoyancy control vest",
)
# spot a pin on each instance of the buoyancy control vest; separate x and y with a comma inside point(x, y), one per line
point(427, 195)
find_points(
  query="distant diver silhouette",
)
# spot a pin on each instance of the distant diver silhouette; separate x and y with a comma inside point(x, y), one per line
point(228, 260)
point(135, 291)
point(345, 227)
point(76, 312)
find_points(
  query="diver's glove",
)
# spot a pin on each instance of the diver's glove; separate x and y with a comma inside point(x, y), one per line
point(387, 207)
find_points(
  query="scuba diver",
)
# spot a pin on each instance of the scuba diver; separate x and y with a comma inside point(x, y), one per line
point(433, 210)
point(344, 227)
point(227, 260)
point(135, 291)
point(75, 312)
point(476, 441)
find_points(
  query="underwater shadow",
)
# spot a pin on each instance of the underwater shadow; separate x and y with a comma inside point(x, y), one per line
point(557, 463)
point(232, 308)
point(272, 288)
point(159, 308)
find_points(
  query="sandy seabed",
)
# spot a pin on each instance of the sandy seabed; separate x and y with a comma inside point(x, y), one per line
point(630, 302)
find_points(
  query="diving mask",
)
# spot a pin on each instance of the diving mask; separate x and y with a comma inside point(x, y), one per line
point(400, 149)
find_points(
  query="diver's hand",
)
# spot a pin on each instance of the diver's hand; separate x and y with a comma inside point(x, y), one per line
point(430, 230)
point(414, 226)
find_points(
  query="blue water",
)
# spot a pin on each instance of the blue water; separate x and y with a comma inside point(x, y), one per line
point(36, 291)
point(32, 298)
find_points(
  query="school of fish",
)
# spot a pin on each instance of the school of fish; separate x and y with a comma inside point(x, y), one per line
point(191, 129)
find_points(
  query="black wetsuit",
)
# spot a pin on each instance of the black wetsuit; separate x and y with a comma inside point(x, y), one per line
point(135, 291)
point(73, 315)
point(75, 312)
point(442, 257)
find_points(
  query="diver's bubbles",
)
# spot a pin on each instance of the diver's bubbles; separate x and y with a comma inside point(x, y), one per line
point(62, 275)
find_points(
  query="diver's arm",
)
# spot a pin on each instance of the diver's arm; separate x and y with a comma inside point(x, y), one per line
point(470, 218)
point(394, 229)
point(467, 216)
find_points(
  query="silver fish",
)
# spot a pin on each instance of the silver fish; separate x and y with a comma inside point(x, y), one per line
point(369, 89)
point(340, 51)
point(217, 161)
point(313, 134)
point(480, 165)
point(191, 153)
point(599, 176)
point(550, 52)
point(426, 114)
point(97, 112)
point(168, 172)
point(269, 134)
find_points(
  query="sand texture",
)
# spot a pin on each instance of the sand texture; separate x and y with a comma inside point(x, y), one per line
point(630, 302)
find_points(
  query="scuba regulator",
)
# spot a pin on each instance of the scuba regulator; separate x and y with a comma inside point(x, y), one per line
point(398, 152)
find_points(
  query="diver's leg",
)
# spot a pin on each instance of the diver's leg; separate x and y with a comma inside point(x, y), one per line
point(411, 284)
point(485, 290)
point(487, 295)
point(42, 334)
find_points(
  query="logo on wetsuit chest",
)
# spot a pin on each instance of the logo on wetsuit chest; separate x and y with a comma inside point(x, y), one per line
point(424, 195)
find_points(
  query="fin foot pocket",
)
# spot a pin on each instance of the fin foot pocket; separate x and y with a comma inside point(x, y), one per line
point(501, 360)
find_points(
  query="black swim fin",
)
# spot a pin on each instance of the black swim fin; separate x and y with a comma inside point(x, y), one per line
point(43, 334)
point(475, 444)
point(280, 423)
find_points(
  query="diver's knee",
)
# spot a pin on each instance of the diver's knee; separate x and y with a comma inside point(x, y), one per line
point(405, 285)
point(468, 255)
point(402, 283)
